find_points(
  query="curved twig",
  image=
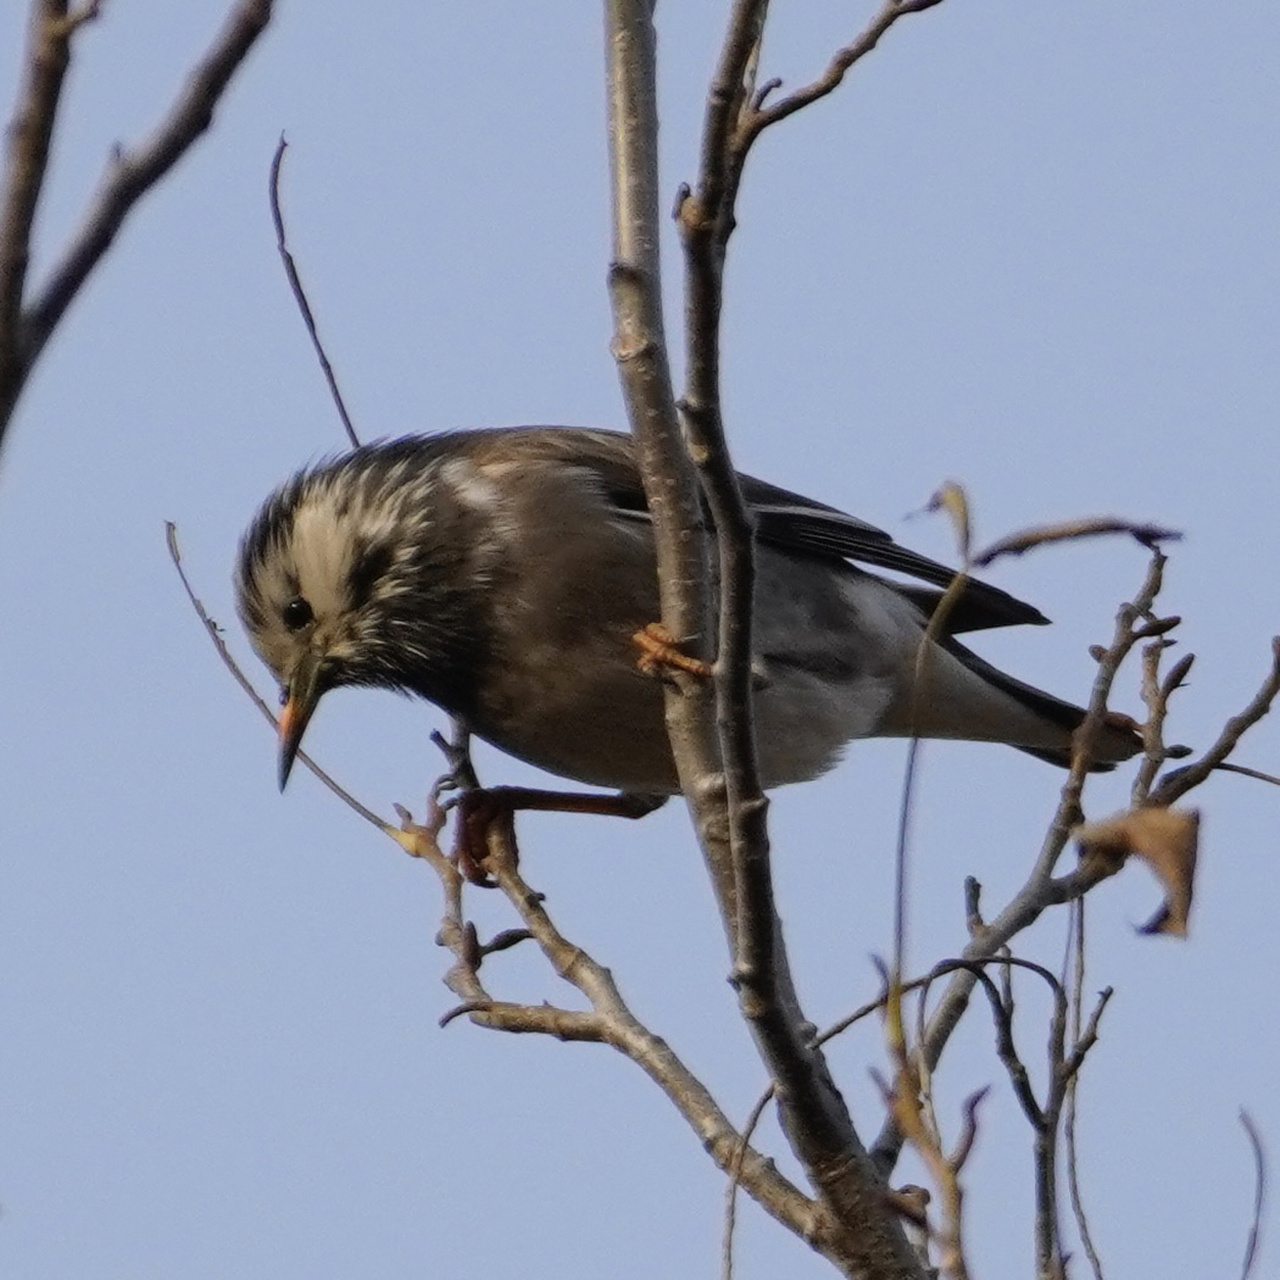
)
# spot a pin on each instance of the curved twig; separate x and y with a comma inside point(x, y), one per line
point(214, 632)
point(1259, 1192)
point(300, 294)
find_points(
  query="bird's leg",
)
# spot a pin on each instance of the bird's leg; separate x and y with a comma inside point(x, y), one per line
point(479, 808)
point(659, 648)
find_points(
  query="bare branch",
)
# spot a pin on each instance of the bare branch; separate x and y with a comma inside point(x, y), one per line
point(1176, 784)
point(609, 1021)
point(728, 96)
point(813, 1112)
point(529, 1019)
point(1045, 1117)
point(25, 327)
point(300, 294)
point(705, 219)
point(1156, 693)
point(639, 348)
point(837, 68)
point(30, 133)
point(1071, 1064)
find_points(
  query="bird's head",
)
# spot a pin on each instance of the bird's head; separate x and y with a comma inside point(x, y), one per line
point(351, 574)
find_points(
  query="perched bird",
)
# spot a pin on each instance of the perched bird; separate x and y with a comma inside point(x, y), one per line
point(502, 574)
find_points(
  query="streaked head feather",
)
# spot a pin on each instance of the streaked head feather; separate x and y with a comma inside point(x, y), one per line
point(363, 541)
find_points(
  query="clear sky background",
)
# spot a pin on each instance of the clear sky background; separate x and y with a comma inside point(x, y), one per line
point(1028, 247)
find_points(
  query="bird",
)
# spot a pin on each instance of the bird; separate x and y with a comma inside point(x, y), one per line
point(504, 573)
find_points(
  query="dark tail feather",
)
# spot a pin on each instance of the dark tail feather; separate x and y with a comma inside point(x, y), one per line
point(1118, 739)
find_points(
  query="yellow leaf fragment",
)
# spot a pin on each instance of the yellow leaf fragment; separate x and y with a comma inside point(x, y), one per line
point(952, 500)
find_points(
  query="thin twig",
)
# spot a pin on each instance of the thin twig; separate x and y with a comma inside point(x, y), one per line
point(1259, 1192)
point(1177, 783)
point(735, 1176)
point(837, 68)
point(1071, 1096)
point(1249, 773)
point(300, 294)
point(969, 1133)
point(214, 632)
point(902, 846)
point(951, 499)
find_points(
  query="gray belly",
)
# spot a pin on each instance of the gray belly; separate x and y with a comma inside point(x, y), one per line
point(571, 700)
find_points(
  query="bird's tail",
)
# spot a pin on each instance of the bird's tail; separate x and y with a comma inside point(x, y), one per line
point(1118, 737)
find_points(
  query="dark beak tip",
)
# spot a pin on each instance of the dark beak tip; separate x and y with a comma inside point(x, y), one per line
point(300, 696)
point(287, 758)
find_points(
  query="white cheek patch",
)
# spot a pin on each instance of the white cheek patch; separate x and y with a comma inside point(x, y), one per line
point(320, 547)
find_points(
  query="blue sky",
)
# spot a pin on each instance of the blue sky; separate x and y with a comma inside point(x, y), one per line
point(1030, 248)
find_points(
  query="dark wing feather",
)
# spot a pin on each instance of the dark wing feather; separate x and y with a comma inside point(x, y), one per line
point(823, 531)
point(783, 519)
point(789, 521)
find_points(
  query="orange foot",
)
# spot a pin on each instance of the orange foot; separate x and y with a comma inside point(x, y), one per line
point(659, 648)
point(480, 808)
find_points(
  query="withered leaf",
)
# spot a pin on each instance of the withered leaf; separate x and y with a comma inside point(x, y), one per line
point(1167, 840)
point(1149, 535)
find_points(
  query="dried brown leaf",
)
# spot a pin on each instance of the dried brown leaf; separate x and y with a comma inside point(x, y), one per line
point(1167, 840)
point(1149, 535)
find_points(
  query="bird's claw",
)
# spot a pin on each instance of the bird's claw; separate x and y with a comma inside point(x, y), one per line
point(659, 649)
point(475, 812)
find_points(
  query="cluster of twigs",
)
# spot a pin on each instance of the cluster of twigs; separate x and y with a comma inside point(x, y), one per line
point(711, 730)
point(914, 1053)
point(851, 1214)
point(852, 1217)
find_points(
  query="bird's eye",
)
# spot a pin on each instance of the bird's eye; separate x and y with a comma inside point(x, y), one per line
point(296, 614)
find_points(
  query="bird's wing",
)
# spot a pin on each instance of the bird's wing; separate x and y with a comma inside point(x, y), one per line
point(785, 520)
point(795, 523)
